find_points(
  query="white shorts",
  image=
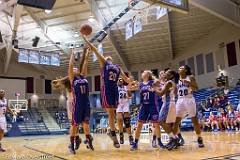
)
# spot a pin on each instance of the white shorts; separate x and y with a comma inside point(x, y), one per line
point(123, 108)
point(184, 106)
point(69, 109)
point(3, 124)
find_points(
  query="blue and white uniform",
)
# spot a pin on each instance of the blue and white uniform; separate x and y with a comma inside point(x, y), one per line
point(123, 105)
point(159, 98)
point(149, 109)
point(3, 110)
point(110, 74)
point(186, 102)
point(81, 105)
point(168, 100)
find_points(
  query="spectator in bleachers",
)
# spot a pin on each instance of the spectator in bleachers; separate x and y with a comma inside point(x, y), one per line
point(205, 124)
point(209, 102)
point(229, 106)
point(222, 101)
point(216, 103)
point(222, 120)
point(213, 121)
point(231, 119)
point(205, 107)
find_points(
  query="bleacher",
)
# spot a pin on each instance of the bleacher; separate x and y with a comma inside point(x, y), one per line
point(35, 123)
point(200, 95)
point(32, 124)
point(203, 94)
point(49, 121)
point(60, 116)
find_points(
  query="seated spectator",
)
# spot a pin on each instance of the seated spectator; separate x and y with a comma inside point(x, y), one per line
point(229, 106)
point(204, 107)
point(213, 121)
point(205, 124)
point(209, 102)
point(231, 119)
point(222, 120)
point(222, 101)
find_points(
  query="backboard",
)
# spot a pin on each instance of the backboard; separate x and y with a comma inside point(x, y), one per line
point(18, 105)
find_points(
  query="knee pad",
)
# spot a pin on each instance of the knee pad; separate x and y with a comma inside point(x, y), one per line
point(127, 122)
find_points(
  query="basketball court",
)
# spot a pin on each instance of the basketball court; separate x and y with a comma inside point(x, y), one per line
point(38, 37)
point(218, 146)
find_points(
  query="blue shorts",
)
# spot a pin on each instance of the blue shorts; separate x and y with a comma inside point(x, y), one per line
point(164, 111)
point(149, 113)
point(109, 96)
point(160, 102)
point(80, 114)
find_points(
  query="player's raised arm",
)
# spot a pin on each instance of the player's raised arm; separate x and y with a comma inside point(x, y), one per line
point(162, 91)
point(57, 82)
point(100, 57)
point(193, 83)
point(124, 77)
point(134, 86)
point(84, 69)
point(70, 67)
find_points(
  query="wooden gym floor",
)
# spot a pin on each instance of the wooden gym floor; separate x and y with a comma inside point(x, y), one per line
point(218, 146)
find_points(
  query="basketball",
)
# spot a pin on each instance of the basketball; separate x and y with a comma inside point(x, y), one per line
point(86, 30)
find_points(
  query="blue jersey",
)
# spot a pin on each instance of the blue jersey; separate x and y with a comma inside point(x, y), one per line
point(80, 90)
point(110, 74)
point(147, 96)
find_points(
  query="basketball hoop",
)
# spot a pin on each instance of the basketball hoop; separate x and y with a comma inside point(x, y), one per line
point(18, 105)
point(141, 12)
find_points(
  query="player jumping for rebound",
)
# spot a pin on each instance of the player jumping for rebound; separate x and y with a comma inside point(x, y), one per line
point(81, 104)
point(123, 111)
point(186, 102)
point(64, 84)
point(109, 73)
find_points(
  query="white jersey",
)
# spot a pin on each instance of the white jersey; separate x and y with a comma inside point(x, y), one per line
point(123, 98)
point(3, 107)
point(186, 103)
point(184, 91)
point(123, 106)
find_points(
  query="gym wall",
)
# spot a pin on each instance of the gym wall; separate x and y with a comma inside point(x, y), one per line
point(12, 86)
